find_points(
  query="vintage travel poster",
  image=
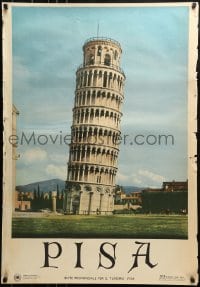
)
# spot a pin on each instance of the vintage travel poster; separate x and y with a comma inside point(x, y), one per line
point(99, 173)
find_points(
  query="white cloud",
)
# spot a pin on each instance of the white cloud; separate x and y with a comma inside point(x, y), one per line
point(57, 171)
point(136, 180)
point(150, 175)
point(122, 177)
point(21, 72)
point(141, 178)
point(21, 86)
point(34, 155)
point(60, 158)
point(128, 179)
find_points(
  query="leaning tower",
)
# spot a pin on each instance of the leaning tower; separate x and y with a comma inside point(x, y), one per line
point(95, 131)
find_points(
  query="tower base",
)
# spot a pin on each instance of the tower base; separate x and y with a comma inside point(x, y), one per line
point(88, 199)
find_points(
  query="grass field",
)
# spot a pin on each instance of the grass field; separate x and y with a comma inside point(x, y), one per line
point(116, 226)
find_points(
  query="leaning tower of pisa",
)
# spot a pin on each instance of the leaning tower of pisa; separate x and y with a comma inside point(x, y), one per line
point(95, 130)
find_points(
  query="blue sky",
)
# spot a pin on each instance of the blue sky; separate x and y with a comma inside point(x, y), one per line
point(47, 49)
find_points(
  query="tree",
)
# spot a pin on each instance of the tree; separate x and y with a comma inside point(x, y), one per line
point(167, 202)
point(35, 194)
point(58, 192)
point(38, 191)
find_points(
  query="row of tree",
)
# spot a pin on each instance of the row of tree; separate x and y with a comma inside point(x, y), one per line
point(43, 200)
point(165, 202)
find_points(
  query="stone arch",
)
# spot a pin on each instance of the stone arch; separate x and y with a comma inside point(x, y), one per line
point(112, 156)
point(107, 114)
point(117, 101)
point(107, 59)
point(86, 115)
point(103, 98)
point(118, 81)
point(76, 99)
point(102, 113)
point(99, 51)
point(86, 172)
point(92, 115)
point(90, 59)
point(93, 150)
point(91, 169)
point(85, 79)
point(107, 153)
point(95, 131)
point(118, 120)
point(81, 79)
point(88, 98)
point(83, 98)
point(98, 96)
point(105, 79)
point(115, 55)
point(77, 80)
point(98, 150)
point(90, 132)
point(80, 133)
point(105, 132)
point(97, 169)
point(110, 80)
point(100, 132)
point(88, 149)
point(89, 79)
point(95, 78)
point(77, 116)
point(82, 115)
point(93, 97)
point(85, 132)
point(115, 117)
point(88, 187)
point(80, 99)
point(102, 170)
point(97, 113)
point(114, 80)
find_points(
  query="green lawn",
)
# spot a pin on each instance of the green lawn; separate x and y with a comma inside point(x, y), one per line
point(115, 226)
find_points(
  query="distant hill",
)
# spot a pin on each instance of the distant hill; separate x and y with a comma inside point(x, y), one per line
point(51, 184)
point(45, 186)
point(128, 189)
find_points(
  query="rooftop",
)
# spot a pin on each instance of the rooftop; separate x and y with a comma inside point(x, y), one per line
point(103, 39)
